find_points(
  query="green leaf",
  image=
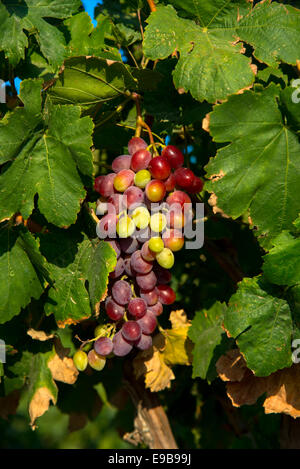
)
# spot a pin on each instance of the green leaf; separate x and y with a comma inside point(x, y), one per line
point(262, 325)
point(212, 64)
point(20, 270)
point(47, 151)
point(28, 16)
point(259, 170)
point(103, 261)
point(88, 81)
point(206, 333)
point(281, 265)
point(80, 271)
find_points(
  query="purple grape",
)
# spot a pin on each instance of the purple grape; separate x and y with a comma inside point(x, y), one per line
point(107, 185)
point(133, 197)
point(121, 346)
point(121, 162)
point(148, 322)
point(147, 281)
point(143, 235)
point(150, 297)
point(121, 292)
point(103, 346)
point(144, 343)
point(114, 311)
point(131, 331)
point(115, 245)
point(107, 226)
point(127, 265)
point(135, 144)
point(139, 264)
point(115, 203)
point(157, 309)
point(119, 269)
point(164, 276)
point(128, 245)
point(137, 307)
point(146, 253)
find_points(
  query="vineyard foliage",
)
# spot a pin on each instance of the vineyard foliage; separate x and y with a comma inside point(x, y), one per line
point(220, 80)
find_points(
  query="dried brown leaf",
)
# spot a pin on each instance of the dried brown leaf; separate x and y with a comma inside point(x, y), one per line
point(39, 335)
point(39, 404)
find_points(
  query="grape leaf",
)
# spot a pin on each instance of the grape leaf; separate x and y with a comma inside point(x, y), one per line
point(212, 63)
point(90, 80)
point(45, 154)
point(262, 325)
point(72, 263)
point(259, 169)
point(206, 333)
point(281, 265)
point(29, 16)
point(21, 268)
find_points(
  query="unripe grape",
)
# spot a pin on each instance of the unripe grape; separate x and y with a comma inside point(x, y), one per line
point(155, 190)
point(173, 240)
point(97, 362)
point(125, 226)
point(165, 258)
point(142, 178)
point(158, 222)
point(80, 360)
point(141, 217)
point(123, 180)
point(156, 244)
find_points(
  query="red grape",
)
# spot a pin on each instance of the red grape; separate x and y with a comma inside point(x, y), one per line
point(173, 155)
point(135, 144)
point(148, 322)
point(184, 178)
point(155, 190)
point(121, 162)
point(103, 346)
point(131, 330)
point(137, 307)
point(121, 292)
point(159, 168)
point(166, 294)
point(140, 160)
point(114, 311)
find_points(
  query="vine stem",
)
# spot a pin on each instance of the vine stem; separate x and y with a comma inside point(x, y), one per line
point(140, 123)
point(152, 5)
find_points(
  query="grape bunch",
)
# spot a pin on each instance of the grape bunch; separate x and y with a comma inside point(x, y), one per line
point(142, 210)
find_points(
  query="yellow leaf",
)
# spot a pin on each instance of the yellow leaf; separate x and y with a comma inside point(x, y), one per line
point(39, 404)
point(178, 347)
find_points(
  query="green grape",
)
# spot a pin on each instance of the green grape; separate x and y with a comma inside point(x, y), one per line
point(141, 217)
point(165, 258)
point(142, 178)
point(156, 244)
point(80, 360)
point(158, 222)
point(97, 362)
point(125, 226)
point(98, 330)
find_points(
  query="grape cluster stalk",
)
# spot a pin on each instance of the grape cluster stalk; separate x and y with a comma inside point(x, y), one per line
point(142, 210)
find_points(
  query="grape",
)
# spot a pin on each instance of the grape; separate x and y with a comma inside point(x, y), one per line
point(121, 292)
point(150, 297)
point(166, 294)
point(146, 281)
point(115, 245)
point(137, 307)
point(142, 178)
point(141, 217)
point(140, 160)
point(121, 346)
point(98, 182)
point(106, 186)
point(178, 197)
point(146, 253)
point(148, 322)
point(121, 162)
point(103, 346)
point(170, 183)
point(143, 235)
point(129, 245)
point(107, 226)
point(133, 195)
point(158, 222)
point(116, 203)
point(157, 309)
point(144, 342)
point(80, 360)
point(176, 218)
point(164, 276)
point(135, 144)
point(96, 361)
point(123, 180)
point(127, 265)
point(173, 240)
point(155, 190)
point(159, 167)
point(173, 155)
point(165, 258)
point(125, 226)
point(131, 331)
point(113, 310)
point(119, 269)
point(139, 264)
point(184, 178)
point(156, 244)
